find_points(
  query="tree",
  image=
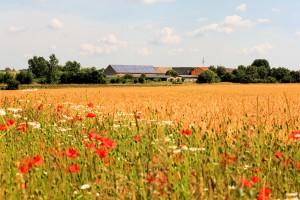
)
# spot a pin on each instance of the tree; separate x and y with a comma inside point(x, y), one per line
point(38, 66)
point(171, 73)
point(52, 71)
point(12, 84)
point(212, 68)
point(25, 77)
point(208, 76)
point(262, 62)
point(7, 77)
point(221, 71)
point(251, 71)
point(72, 67)
point(1, 77)
point(262, 72)
point(279, 73)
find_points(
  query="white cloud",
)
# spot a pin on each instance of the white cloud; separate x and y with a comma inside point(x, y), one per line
point(241, 7)
point(260, 49)
point(219, 28)
point(297, 33)
point(111, 39)
point(108, 45)
point(238, 21)
point(263, 20)
point(144, 51)
point(167, 36)
point(152, 1)
point(15, 29)
point(224, 26)
point(56, 24)
point(276, 10)
point(175, 52)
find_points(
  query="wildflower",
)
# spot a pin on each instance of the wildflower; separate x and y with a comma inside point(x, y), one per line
point(90, 145)
point(246, 183)
point(85, 186)
point(150, 178)
point(186, 132)
point(255, 179)
point(278, 154)
point(90, 105)
point(264, 193)
point(37, 160)
point(102, 153)
point(74, 168)
point(10, 122)
point(91, 115)
point(137, 139)
point(23, 169)
point(2, 112)
point(108, 143)
point(59, 108)
point(295, 135)
point(22, 127)
point(138, 115)
point(40, 106)
point(226, 159)
point(72, 153)
point(3, 128)
point(95, 136)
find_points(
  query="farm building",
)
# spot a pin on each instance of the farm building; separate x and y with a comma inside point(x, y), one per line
point(183, 70)
point(198, 70)
point(135, 70)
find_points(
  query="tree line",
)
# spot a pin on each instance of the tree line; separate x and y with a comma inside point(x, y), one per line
point(258, 72)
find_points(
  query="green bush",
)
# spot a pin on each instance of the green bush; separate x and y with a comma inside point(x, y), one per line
point(12, 84)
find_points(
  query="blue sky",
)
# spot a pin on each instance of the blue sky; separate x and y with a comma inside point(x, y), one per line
point(151, 32)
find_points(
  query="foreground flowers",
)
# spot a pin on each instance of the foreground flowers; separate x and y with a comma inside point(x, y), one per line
point(295, 135)
point(29, 163)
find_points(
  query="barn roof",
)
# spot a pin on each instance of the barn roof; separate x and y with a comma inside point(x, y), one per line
point(134, 69)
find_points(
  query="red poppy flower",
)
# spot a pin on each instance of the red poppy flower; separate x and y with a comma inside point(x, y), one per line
point(262, 197)
point(102, 153)
point(255, 179)
point(138, 115)
point(150, 178)
point(108, 143)
point(72, 153)
point(74, 168)
point(95, 136)
point(59, 108)
point(246, 183)
point(226, 159)
point(10, 122)
point(3, 128)
point(90, 105)
point(22, 127)
point(91, 115)
point(89, 145)
point(186, 132)
point(37, 160)
point(40, 106)
point(137, 139)
point(265, 191)
point(295, 135)
point(278, 154)
point(23, 169)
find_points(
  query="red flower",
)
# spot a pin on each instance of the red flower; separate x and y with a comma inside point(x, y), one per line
point(108, 143)
point(262, 197)
point(74, 168)
point(138, 115)
point(246, 183)
point(137, 139)
point(226, 159)
point(91, 115)
point(37, 160)
point(90, 145)
point(102, 153)
point(187, 132)
point(265, 191)
point(59, 108)
point(76, 118)
point(295, 135)
point(150, 178)
point(10, 122)
point(3, 128)
point(22, 127)
point(95, 136)
point(278, 154)
point(255, 179)
point(298, 166)
point(72, 153)
point(40, 106)
point(23, 169)
point(90, 105)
